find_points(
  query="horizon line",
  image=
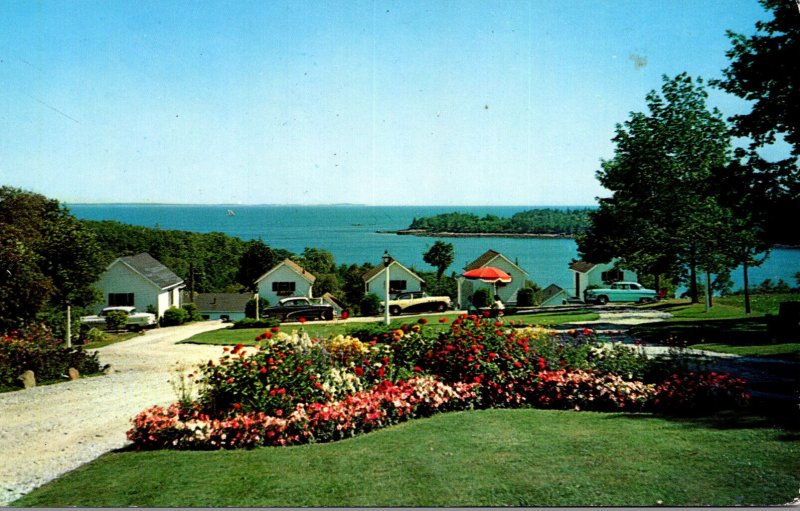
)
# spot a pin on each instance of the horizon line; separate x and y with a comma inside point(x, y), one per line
point(334, 204)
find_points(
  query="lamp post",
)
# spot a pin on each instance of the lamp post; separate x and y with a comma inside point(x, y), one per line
point(69, 324)
point(387, 259)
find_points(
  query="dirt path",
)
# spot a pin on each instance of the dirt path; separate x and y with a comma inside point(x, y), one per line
point(49, 430)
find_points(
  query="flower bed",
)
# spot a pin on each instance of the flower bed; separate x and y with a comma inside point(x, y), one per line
point(292, 389)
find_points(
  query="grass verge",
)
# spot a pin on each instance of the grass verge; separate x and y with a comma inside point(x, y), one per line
point(247, 336)
point(521, 457)
point(724, 328)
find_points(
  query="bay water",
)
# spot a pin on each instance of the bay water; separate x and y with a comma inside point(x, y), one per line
point(350, 233)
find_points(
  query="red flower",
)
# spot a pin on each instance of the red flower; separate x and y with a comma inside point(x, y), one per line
point(422, 321)
point(263, 370)
point(267, 335)
point(542, 363)
point(485, 314)
point(418, 369)
point(345, 314)
point(443, 320)
point(278, 412)
point(302, 320)
point(275, 330)
point(498, 323)
point(587, 331)
point(237, 406)
point(381, 372)
point(359, 371)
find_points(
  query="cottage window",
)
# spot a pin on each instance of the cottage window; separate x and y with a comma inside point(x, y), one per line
point(119, 299)
point(395, 286)
point(612, 276)
point(283, 288)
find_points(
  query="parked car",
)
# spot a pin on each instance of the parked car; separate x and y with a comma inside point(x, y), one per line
point(417, 301)
point(296, 307)
point(620, 292)
point(136, 320)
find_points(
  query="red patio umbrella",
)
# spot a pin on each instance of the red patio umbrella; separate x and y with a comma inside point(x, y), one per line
point(488, 274)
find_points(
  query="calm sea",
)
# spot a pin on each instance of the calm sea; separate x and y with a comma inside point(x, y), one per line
point(349, 233)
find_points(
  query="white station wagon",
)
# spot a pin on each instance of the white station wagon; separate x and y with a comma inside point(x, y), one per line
point(620, 292)
point(136, 320)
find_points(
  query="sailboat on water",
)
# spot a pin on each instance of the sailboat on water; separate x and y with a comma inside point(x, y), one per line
point(230, 213)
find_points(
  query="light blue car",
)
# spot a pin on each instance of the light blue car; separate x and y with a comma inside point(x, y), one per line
point(620, 292)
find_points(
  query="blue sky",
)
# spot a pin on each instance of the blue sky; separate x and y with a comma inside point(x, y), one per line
point(374, 102)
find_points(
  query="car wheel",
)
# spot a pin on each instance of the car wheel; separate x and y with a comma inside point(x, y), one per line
point(394, 310)
point(602, 299)
point(440, 307)
point(327, 315)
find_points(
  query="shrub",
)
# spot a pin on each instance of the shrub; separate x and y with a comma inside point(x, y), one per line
point(174, 316)
point(482, 350)
point(252, 323)
point(482, 298)
point(272, 378)
point(525, 297)
point(366, 332)
point(95, 335)
point(116, 320)
point(193, 314)
point(693, 393)
point(250, 308)
point(370, 305)
point(37, 350)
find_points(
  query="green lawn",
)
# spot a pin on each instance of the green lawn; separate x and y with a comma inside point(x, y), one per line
point(724, 328)
point(521, 457)
point(247, 336)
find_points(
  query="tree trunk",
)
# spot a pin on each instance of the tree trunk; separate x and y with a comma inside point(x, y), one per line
point(693, 282)
point(709, 290)
point(746, 288)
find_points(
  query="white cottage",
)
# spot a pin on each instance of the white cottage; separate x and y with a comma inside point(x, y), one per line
point(554, 295)
point(507, 292)
point(285, 279)
point(140, 281)
point(401, 279)
point(599, 274)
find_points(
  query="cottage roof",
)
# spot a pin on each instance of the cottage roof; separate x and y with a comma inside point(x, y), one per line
point(222, 302)
point(581, 266)
point(152, 270)
point(294, 266)
point(487, 257)
point(377, 270)
point(550, 291)
point(329, 297)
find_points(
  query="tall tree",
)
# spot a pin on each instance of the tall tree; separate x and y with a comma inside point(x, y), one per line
point(440, 256)
point(256, 260)
point(660, 183)
point(765, 69)
point(47, 257)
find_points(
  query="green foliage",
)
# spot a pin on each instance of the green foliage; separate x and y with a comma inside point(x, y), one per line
point(482, 298)
point(370, 305)
point(174, 316)
point(273, 380)
point(535, 221)
point(256, 259)
point(317, 261)
point(95, 336)
point(192, 312)
point(116, 320)
point(366, 332)
point(48, 258)
point(253, 323)
point(250, 307)
point(663, 217)
point(763, 69)
point(525, 297)
point(440, 256)
point(37, 350)
point(435, 286)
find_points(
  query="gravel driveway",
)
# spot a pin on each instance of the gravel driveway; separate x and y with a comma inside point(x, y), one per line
point(49, 430)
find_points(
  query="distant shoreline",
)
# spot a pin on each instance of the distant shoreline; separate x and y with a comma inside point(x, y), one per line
point(431, 234)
